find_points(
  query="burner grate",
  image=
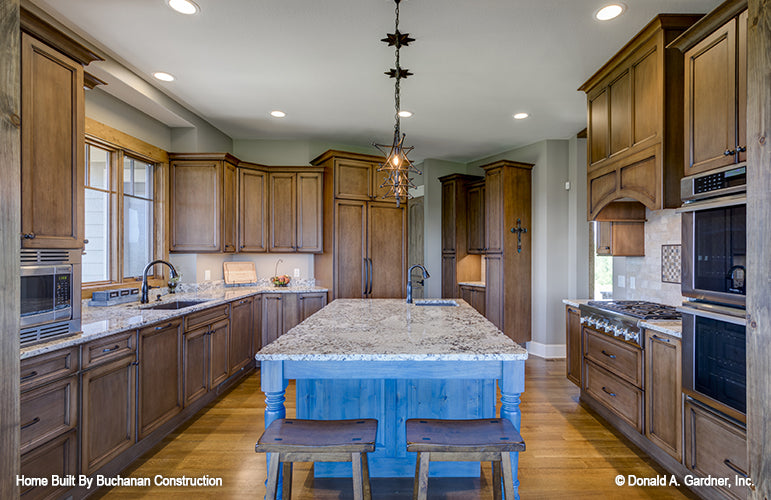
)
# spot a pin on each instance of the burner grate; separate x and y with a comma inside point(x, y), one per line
point(637, 308)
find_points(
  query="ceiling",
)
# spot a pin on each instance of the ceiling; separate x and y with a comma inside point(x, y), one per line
point(475, 64)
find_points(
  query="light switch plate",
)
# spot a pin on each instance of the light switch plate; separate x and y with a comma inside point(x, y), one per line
point(296, 272)
point(207, 275)
point(621, 281)
point(631, 282)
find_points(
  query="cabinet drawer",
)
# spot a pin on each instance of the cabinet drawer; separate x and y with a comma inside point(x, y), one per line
point(715, 447)
point(47, 367)
point(109, 348)
point(208, 316)
point(55, 458)
point(620, 358)
point(622, 398)
point(48, 411)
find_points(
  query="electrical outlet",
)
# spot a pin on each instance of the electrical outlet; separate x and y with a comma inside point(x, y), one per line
point(207, 275)
point(567, 185)
point(296, 272)
point(631, 282)
point(621, 281)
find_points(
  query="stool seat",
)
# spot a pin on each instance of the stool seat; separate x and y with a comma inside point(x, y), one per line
point(480, 435)
point(296, 440)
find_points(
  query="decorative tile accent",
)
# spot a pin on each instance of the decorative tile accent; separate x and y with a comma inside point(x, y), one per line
point(671, 268)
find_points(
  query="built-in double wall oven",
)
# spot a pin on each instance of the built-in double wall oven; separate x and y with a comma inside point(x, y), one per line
point(714, 272)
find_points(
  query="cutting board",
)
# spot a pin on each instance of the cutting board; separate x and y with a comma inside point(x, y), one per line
point(237, 273)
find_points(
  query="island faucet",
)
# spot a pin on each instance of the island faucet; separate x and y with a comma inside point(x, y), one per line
point(409, 280)
point(145, 286)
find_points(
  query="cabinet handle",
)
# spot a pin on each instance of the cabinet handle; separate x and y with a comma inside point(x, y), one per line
point(729, 152)
point(611, 356)
point(110, 349)
point(37, 419)
point(135, 363)
point(606, 391)
point(662, 339)
point(26, 377)
point(243, 301)
point(85, 242)
point(162, 327)
point(741, 149)
point(734, 468)
point(29, 236)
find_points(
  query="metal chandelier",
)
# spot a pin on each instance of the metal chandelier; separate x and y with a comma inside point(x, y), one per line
point(397, 167)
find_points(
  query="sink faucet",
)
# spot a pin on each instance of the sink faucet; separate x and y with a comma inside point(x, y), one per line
point(409, 280)
point(145, 286)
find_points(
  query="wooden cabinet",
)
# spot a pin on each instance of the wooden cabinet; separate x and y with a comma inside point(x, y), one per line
point(311, 303)
point(508, 247)
point(475, 297)
point(357, 178)
point(241, 325)
point(715, 447)
point(48, 411)
point(449, 276)
point(57, 457)
point(283, 311)
point(256, 325)
point(663, 392)
point(206, 351)
point(573, 349)
point(219, 335)
point(159, 381)
point(195, 353)
point(272, 317)
point(52, 147)
point(476, 218)
point(715, 94)
point(635, 121)
point(296, 211)
point(625, 239)
point(252, 210)
point(203, 202)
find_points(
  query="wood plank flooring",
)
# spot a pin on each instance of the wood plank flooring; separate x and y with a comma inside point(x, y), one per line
point(570, 453)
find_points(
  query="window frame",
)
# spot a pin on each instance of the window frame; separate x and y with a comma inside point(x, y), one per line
point(120, 145)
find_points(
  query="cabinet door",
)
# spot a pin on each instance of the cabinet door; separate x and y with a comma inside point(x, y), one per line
point(448, 216)
point(196, 363)
point(494, 289)
point(351, 268)
point(598, 131)
point(478, 300)
point(219, 336)
point(48, 411)
point(52, 154)
point(387, 250)
point(476, 220)
point(710, 101)
point(56, 457)
point(494, 211)
point(256, 325)
point(108, 414)
point(309, 212)
point(663, 392)
point(310, 303)
point(160, 377)
point(620, 113)
point(449, 276)
point(603, 237)
point(240, 334)
point(353, 180)
point(741, 102)
point(465, 293)
point(379, 191)
point(252, 211)
point(283, 211)
point(195, 206)
point(575, 355)
point(272, 317)
point(291, 311)
point(229, 206)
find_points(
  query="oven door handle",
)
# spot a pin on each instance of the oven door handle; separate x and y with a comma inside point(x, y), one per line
point(719, 202)
point(714, 312)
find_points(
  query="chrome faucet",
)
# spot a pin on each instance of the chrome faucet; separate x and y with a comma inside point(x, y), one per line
point(145, 286)
point(409, 280)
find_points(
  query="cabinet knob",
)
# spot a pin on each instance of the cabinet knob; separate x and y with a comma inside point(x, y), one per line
point(85, 242)
point(741, 149)
point(729, 152)
point(29, 236)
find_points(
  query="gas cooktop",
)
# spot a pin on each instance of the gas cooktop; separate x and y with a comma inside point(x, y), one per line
point(636, 308)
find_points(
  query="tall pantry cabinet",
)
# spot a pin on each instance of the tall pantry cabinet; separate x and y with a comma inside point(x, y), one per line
point(365, 236)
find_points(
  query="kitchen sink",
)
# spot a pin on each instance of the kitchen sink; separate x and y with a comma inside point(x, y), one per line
point(435, 302)
point(176, 304)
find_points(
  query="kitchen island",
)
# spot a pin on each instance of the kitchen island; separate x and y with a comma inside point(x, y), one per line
point(389, 360)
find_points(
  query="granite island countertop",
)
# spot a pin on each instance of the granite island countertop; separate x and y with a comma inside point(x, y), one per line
point(392, 330)
point(98, 322)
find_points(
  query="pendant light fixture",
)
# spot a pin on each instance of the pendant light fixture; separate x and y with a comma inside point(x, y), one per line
point(397, 167)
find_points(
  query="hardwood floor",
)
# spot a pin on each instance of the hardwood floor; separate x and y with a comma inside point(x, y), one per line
point(570, 453)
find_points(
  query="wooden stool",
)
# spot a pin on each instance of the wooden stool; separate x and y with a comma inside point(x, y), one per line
point(290, 440)
point(464, 440)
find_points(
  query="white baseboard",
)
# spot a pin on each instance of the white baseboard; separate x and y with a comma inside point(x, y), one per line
point(547, 351)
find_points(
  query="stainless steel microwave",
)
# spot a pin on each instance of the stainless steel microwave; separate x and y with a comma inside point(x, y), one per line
point(49, 294)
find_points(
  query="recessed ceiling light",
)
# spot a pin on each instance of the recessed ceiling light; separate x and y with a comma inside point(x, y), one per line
point(163, 76)
point(520, 116)
point(277, 114)
point(405, 114)
point(609, 12)
point(184, 6)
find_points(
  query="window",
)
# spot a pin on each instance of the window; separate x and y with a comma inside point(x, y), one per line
point(119, 214)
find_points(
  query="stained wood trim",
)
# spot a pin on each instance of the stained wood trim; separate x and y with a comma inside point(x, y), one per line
point(333, 153)
point(582, 134)
point(707, 24)
point(10, 222)
point(210, 156)
point(45, 32)
point(114, 137)
point(507, 163)
point(759, 247)
point(622, 211)
point(90, 81)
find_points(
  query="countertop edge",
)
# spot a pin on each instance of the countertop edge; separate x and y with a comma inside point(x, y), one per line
point(575, 302)
point(670, 327)
point(391, 357)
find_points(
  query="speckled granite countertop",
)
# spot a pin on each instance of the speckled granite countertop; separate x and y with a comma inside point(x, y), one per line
point(392, 330)
point(472, 283)
point(668, 326)
point(97, 322)
point(575, 302)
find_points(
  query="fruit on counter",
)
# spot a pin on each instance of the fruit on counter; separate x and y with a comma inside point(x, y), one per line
point(282, 280)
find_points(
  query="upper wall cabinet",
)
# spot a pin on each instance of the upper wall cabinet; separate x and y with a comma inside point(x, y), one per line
point(203, 202)
point(635, 123)
point(356, 176)
point(252, 210)
point(296, 209)
point(52, 136)
point(715, 51)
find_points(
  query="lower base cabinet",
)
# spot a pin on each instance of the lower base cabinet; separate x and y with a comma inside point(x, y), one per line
point(474, 296)
point(663, 392)
point(283, 311)
point(57, 457)
point(573, 350)
point(311, 303)
point(240, 343)
point(205, 355)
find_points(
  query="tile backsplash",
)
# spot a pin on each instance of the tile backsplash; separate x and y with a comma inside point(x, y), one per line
point(641, 277)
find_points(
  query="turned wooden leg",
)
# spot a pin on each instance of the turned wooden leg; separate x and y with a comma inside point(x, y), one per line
point(421, 478)
point(287, 488)
point(508, 481)
point(497, 480)
point(271, 485)
point(365, 472)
